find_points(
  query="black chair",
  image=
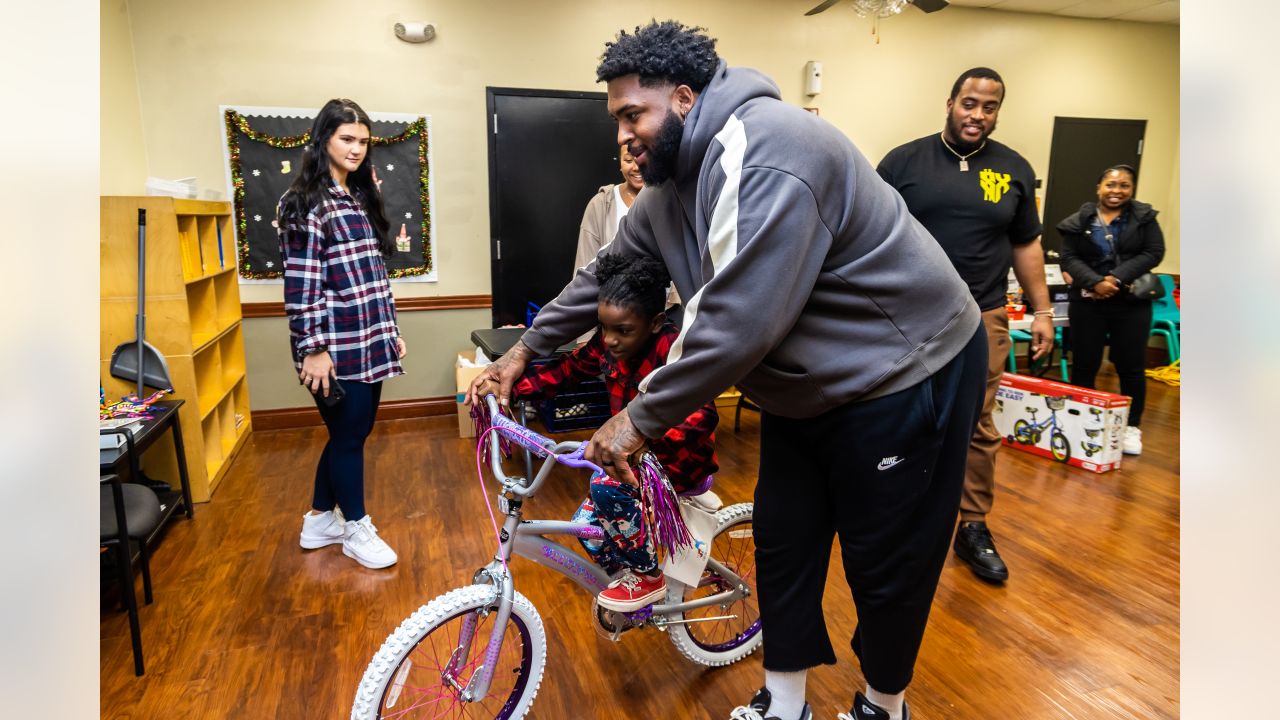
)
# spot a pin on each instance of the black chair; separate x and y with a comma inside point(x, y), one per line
point(129, 512)
point(743, 404)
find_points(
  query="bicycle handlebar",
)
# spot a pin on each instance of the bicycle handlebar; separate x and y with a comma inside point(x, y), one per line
point(566, 453)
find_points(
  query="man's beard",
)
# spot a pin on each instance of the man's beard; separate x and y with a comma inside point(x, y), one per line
point(660, 163)
point(960, 146)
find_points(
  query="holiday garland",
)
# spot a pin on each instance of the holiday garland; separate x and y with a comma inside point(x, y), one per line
point(236, 122)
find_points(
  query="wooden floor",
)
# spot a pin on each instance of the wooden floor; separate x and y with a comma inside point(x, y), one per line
point(247, 625)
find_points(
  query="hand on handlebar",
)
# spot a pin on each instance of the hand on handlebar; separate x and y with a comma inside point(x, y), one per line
point(613, 445)
point(502, 372)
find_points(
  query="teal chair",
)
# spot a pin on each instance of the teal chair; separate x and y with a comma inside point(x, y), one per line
point(1166, 319)
point(1017, 336)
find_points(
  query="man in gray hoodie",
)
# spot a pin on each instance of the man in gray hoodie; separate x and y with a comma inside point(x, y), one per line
point(810, 287)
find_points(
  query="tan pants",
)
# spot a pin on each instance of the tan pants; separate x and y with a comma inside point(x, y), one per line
point(980, 476)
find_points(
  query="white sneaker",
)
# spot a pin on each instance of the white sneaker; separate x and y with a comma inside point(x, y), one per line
point(1132, 440)
point(321, 529)
point(361, 543)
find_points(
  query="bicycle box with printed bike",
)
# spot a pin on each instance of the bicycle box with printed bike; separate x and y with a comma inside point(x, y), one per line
point(1065, 423)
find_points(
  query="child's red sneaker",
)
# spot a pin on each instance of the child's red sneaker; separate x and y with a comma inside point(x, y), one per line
point(633, 591)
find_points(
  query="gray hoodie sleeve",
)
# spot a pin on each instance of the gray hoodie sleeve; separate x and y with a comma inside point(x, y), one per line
point(767, 243)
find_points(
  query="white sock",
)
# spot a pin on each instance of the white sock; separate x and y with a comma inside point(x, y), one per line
point(787, 692)
point(890, 703)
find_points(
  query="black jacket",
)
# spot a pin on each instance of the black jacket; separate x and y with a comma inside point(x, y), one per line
point(1138, 249)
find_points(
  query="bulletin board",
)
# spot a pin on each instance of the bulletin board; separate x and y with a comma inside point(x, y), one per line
point(263, 148)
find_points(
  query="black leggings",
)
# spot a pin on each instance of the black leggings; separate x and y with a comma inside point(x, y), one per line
point(340, 472)
point(886, 475)
point(1123, 323)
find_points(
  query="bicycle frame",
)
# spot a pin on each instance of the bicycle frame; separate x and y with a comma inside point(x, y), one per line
point(529, 539)
point(1041, 426)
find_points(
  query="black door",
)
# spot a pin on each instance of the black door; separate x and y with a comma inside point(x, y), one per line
point(549, 152)
point(1082, 148)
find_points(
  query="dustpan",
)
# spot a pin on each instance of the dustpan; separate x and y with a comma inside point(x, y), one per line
point(138, 359)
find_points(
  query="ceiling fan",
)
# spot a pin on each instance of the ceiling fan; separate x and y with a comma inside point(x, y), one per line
point(883, 8)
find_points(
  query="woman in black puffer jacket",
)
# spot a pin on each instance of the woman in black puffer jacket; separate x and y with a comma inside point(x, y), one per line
point(1105, 247)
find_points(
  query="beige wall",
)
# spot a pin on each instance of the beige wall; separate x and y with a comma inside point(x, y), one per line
point(123, 169)
point(193, 56)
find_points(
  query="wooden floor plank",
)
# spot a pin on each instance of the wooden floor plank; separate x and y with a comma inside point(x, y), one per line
point(248, 625)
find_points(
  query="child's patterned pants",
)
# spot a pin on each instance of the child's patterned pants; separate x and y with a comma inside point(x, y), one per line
point(615, 507)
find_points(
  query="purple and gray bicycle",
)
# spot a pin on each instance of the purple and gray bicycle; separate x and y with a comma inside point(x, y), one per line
point(480, 651)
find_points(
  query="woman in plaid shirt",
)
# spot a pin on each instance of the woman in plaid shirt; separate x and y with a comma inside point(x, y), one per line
point(632, 340)
point(342, 319)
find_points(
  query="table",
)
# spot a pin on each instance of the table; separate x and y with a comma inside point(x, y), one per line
point(497, 341)
point(1025, 322)
point(125, 460)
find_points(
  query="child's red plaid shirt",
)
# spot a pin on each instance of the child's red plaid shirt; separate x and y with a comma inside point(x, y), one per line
point(687, 451)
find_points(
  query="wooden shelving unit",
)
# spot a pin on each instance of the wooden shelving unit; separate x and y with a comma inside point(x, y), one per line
point(193, 318)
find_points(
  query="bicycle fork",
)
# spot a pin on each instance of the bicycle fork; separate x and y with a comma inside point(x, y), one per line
point(477, 687)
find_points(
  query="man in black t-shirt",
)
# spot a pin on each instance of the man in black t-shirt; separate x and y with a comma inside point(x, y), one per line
point(977, 197)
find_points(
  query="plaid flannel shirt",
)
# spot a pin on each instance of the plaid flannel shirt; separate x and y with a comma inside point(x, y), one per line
point(687, 451)
point(336, 291)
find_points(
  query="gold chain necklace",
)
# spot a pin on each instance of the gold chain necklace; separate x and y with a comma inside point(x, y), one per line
point(964, 159)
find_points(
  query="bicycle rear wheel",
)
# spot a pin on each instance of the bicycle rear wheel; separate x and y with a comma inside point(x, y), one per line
point(721, 642)
point(408, 678)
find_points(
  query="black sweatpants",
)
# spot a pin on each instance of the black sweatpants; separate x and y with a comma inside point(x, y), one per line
point(886, 475)
point(340, 472)
point(1125, 325)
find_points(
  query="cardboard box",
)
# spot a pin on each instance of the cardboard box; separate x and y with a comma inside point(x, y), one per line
point(462, 381)
point(1069, 424)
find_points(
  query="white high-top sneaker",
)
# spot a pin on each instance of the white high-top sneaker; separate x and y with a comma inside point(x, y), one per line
point(361, 543)
point(321, 529)
point(1132, 440)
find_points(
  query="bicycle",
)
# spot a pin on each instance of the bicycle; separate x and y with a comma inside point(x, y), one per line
point(440, 663)
point(1029, 433)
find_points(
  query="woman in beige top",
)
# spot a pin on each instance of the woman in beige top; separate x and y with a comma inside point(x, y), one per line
point(600, 220)
point(600, 224)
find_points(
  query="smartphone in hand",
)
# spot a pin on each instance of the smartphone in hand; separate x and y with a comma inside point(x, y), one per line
point(336, 393)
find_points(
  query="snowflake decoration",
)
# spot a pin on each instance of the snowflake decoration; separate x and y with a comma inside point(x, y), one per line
point(408, 216)
point(391, 167)
point(256, 173)
point(270, 264)
point(257, 218)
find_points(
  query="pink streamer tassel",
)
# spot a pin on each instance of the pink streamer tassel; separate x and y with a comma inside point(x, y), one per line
point(662, 511)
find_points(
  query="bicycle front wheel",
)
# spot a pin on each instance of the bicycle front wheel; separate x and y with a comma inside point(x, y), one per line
point(1059, 446)
point(714, 642)
point(424, 665)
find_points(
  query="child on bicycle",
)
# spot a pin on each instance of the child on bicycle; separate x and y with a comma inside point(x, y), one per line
point(631, 341)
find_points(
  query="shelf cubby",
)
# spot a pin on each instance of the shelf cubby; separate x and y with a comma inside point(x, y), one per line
point(209, 377)
point(211, 245)
point(189, 248)
point(227, 293)
point(202, 309)
point(211, 432)
point(232, 355)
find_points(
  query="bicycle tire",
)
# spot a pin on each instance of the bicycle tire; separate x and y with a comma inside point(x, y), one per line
point(718, 643)
point(1059, 446)
point(389, 663)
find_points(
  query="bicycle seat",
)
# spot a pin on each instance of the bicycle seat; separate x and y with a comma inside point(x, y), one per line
point(1032, 410)
point(708, 501)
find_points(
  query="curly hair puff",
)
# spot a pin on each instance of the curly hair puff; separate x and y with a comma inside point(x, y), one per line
point(661, 53)
point(633, 281)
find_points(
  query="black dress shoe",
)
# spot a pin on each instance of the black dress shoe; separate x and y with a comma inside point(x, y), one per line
point(975, 546)
point(864, 709)
point(759, 705)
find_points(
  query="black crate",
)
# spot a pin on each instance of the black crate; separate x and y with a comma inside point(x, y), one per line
point(585, 408)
